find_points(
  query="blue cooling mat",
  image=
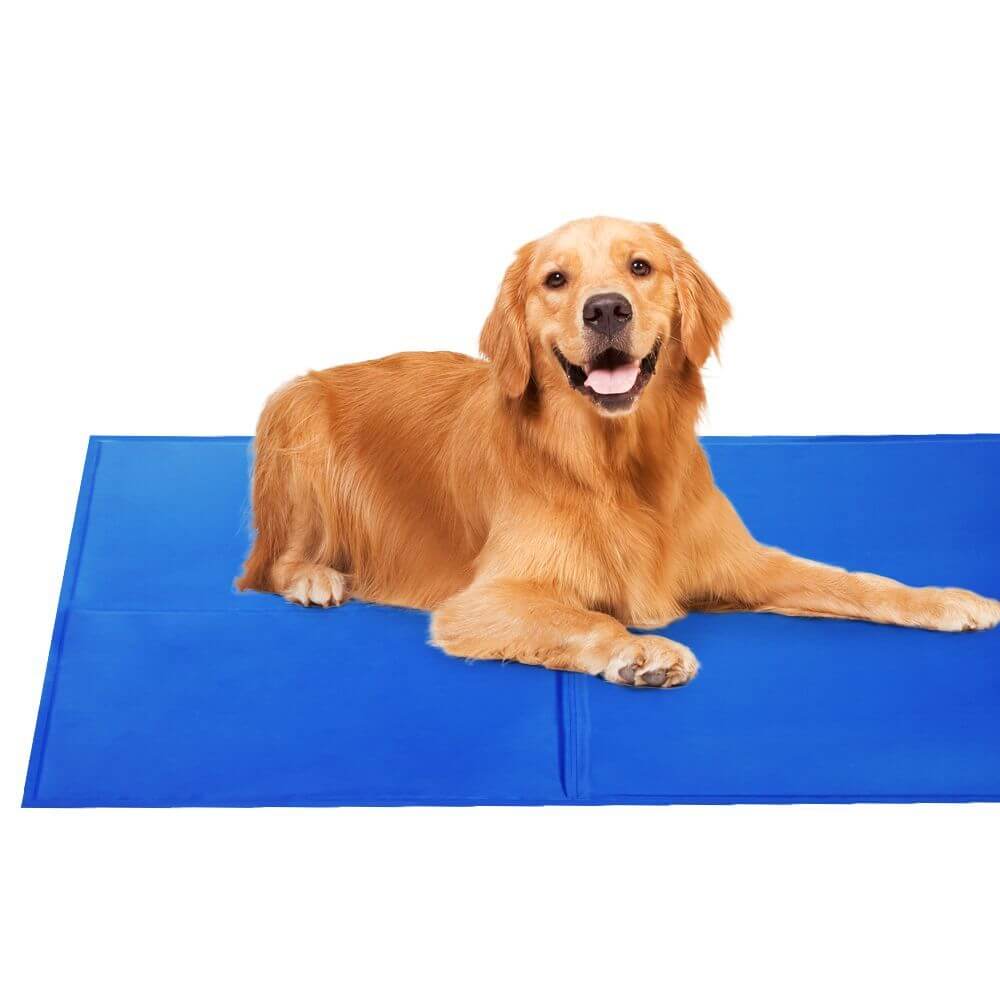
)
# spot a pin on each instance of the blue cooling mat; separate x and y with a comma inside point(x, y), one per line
point(165, 688)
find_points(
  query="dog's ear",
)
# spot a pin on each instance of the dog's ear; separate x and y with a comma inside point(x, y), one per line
point(702, 307)
point(504, 339)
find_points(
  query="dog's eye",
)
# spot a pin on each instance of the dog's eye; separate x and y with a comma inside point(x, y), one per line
point(641, 268)
point(556, 279)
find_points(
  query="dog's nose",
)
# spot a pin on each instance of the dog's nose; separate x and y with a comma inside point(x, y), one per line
point(607, 314)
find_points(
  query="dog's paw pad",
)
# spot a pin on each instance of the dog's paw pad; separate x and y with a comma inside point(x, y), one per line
point(655, 678)
point(651, 662)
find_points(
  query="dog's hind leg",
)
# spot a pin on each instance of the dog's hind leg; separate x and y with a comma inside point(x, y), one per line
point(313, 584)
point(733, 571)
point(788, 585)
point(297, 525)
point(303, 573)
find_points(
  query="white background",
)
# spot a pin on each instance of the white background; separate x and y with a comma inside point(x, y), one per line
point(200, 200)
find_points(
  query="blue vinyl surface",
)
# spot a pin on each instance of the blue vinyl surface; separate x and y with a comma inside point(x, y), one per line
point(164, 687)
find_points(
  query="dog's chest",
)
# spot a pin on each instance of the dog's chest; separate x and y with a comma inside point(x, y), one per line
point(625, 558)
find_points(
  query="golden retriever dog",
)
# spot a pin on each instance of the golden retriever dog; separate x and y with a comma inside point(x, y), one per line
point(543, 501)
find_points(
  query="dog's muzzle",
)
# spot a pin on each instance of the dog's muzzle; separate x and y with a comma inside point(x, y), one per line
point(611, 379)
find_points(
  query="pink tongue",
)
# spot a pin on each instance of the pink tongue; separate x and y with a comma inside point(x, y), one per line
point(608, 381)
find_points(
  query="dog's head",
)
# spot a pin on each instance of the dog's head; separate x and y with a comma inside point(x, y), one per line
point(595, 307)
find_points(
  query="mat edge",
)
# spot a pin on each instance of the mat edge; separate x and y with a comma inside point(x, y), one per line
point(78, 532)
point(740, 439)
point(623, 800)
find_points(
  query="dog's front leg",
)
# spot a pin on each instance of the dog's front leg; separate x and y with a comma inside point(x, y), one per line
point(772, 580)
point(504, 619)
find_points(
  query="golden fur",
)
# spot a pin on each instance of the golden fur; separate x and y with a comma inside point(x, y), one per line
point(535, 525)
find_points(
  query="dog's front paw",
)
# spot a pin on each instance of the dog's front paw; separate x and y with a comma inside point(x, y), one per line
point(649, 661)
point(948, 609)
point(316, 585)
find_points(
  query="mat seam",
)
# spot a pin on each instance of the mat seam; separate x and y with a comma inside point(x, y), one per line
point(567, 734)
point(583, 736)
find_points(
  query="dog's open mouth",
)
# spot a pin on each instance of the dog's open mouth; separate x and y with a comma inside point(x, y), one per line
point(612, 379)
